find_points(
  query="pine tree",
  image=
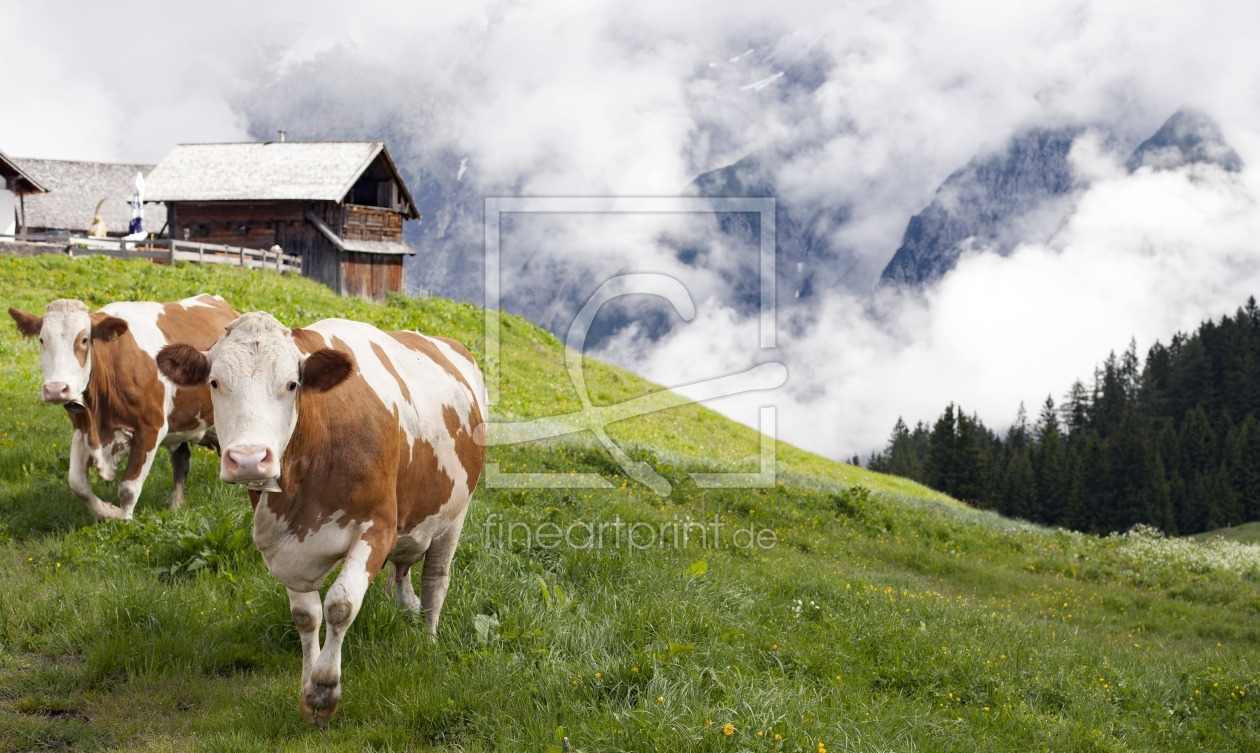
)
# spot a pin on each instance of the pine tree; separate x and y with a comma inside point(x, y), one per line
point(1110, 399)
point(1162, 514)
point(973, 451)
point(1021, 486)
point(1129, 369)
point(1198, 443)
point(1050, 467)
point(1047, 420)
point(1076, 408)
point(1197, 466)
point(1230, 503)
point(943, 453)
point(1247, 475)
point(1092, 502)
point(1154, 382)
point(1185, 512)
point(904, 458)
point(1218, 501)
point(1074, 514)
point(1133, 485)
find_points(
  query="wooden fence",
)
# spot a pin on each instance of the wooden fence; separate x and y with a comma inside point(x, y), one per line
point(164, 249)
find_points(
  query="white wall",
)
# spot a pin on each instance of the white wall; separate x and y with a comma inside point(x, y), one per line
point(8, 212)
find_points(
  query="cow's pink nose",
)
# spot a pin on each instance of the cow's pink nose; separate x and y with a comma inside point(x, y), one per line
point(56, 392)
point(251, 463)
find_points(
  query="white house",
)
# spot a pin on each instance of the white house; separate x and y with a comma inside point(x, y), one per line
point(73, 189)
point(15, 186)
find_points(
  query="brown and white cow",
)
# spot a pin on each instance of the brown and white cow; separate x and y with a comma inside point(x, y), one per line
point(102, 367)
point(358, 445)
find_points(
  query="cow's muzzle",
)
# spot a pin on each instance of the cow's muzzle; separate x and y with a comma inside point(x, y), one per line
point(57, 393)
point(242, 465)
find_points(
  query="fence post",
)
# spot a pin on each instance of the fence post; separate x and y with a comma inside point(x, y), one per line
point(201, 253)
point(243, 265)
point(172, 252)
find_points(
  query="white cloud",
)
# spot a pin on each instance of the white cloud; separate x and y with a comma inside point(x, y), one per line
point(1141, 256)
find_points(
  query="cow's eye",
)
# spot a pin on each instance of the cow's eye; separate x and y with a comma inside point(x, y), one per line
point(214, 384)
point(292, 386)
point(83, 341)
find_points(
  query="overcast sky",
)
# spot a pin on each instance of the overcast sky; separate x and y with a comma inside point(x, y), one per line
point(600, 98)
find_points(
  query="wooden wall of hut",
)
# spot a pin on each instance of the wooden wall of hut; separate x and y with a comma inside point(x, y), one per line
point(371, 276)
point(321, 261)
point(252, 225)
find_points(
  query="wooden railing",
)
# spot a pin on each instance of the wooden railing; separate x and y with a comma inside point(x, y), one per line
point(165, 249)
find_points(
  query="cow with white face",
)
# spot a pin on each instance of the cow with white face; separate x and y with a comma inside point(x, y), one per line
point(101, 366)
point(357, 445)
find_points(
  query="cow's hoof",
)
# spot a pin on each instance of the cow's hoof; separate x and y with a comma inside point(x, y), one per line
point(106, 511)
point(320, 702)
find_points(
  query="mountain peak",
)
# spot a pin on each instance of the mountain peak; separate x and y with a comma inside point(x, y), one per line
point(746, 177)
point(1190, 136)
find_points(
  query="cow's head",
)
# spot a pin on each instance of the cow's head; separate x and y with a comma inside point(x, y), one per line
point(67, 333)
point(255, 372)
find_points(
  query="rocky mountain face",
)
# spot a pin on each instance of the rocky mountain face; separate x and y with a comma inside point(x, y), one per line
point(1023, 192)
point(994, 200)
point(449, 261)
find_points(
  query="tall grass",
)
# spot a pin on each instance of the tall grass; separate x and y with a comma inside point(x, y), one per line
point(883, 618)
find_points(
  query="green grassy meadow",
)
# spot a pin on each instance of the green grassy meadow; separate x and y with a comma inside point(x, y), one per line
point(884, 617)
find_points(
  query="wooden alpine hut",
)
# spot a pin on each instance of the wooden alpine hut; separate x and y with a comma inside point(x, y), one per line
point(339, 205)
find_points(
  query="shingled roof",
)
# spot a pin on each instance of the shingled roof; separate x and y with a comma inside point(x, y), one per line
point(268, 171)
point(75, 187)
point(16, 179)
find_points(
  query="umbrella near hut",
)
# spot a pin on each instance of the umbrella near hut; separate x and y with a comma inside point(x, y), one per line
point(135, 230)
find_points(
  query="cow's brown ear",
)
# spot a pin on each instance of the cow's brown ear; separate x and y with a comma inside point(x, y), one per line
point(28, 325)
point(184, 365)
point(325, 368)
point(108, 329)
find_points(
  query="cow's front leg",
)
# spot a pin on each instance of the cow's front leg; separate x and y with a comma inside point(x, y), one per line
point(81, 484)
point(140, 459)
point(321, 691)
point(307, 614)
point(179, 473)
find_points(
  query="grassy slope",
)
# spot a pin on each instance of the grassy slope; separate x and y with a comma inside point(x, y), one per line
point(888, 619)
point(1247, 533)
